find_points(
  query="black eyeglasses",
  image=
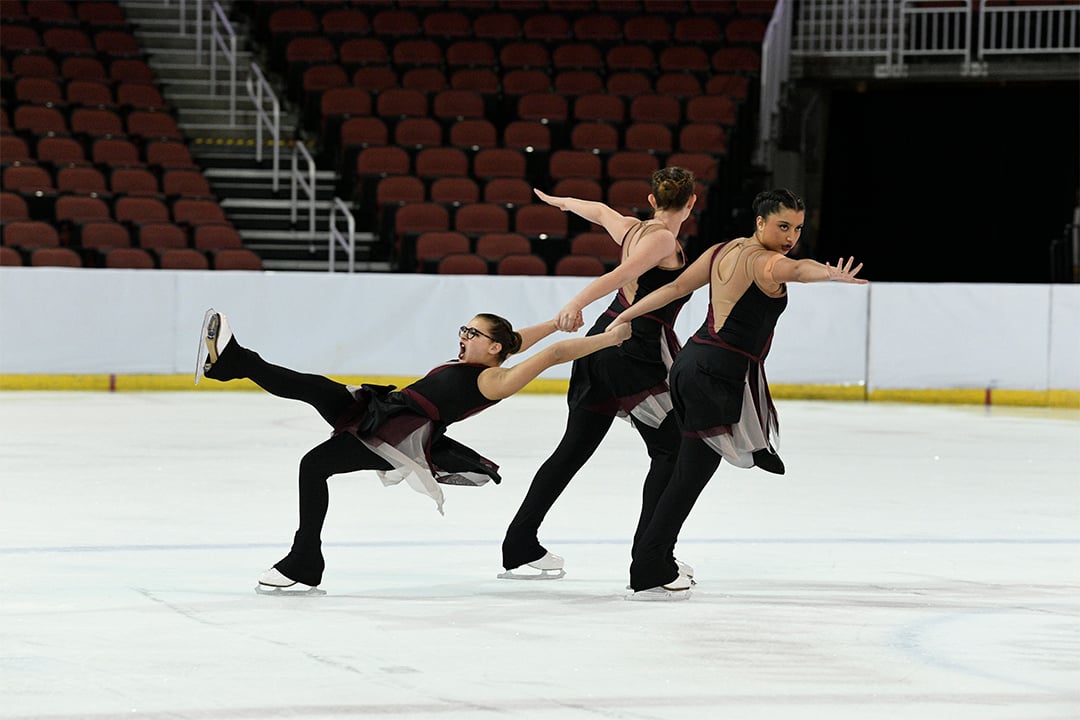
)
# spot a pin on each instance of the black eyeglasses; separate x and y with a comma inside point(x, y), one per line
point(468, 333)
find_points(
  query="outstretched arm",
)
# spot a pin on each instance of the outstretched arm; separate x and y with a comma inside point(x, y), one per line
point(535, 333)
point(497, 383)
point(652, 248)
point(595, 212)
point(808, 271)
point(688, 281)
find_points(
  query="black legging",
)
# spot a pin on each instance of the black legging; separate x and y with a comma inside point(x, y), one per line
point(653, 560)
point(584, 432)
point(340, 454)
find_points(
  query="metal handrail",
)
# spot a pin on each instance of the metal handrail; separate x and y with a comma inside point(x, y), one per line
point(1007, 30)
point(895, 30)
point(229, 50)
point(775, 70)
point(844, 28)
point(259, 89)
point(182, 27)
point(931, 30)
point(336, 238)
point(308, 183)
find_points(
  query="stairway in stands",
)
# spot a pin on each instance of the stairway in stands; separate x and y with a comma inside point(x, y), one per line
point(226, 150)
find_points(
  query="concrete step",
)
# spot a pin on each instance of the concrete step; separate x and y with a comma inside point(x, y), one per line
point(240, 136)
point(257, 174)
point(239, 154)
point(193, 79)
point(186, 58)
point(270, 207)
point(285, 236)
point(317, 247)
point(264, 191)
point(246, 221)
point(189, 101)
point(318, 250)
point(208, 118)
point(159, 13)
point(295, 265)
point(294, 238)
point(169, 38)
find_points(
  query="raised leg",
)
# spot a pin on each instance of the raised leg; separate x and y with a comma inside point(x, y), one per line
point(226, 359)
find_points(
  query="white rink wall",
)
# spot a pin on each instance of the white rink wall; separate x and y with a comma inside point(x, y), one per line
point(883, 335)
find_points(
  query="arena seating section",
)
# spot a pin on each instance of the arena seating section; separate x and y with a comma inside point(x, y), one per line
point(440, 116)
point(95, 171)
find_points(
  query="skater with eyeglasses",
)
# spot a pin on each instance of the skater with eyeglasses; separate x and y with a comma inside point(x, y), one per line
point(398, 433)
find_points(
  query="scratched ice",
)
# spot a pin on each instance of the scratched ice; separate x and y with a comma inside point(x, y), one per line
point(915, 562)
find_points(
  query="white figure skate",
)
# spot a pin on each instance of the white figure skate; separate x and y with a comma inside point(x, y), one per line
point(273, 582)
point(549, 567)
point(213, 337)
point(677, 589)
point(684, 569)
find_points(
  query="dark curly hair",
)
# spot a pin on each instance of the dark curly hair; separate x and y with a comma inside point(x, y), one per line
point(502, 332)
point(769, 202)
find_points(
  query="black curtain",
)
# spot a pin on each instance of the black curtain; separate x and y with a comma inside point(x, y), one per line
point(950, 183)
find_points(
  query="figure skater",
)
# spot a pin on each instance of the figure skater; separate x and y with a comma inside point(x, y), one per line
point(628, 381)
point(398, 433)
point(718, 384)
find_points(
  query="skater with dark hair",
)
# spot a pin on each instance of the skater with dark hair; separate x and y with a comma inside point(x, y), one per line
point(398, 433)
point(718, 385)
point(627, 381)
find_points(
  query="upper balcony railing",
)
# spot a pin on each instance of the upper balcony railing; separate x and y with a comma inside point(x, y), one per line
point(897, 33)
point(943, 37)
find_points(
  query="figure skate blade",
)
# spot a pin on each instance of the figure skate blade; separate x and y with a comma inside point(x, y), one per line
point(552, 574)
point(296, 590)
point(659, 594)
point(200, 355)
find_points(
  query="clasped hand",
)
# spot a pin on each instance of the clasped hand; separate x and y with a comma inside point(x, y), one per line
point(569, 320)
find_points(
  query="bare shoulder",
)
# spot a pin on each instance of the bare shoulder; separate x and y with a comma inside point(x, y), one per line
point(490, 383)
point(621, 228)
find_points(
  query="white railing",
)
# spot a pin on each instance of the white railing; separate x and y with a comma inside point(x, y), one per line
point(1008, 30)
point(198, 26)
point(845, 28)
point(305, 180)
point(227, 44)
point(895, 31)
point(775, 70)
point(930, 30)
point(348, 240)
point(259, 90)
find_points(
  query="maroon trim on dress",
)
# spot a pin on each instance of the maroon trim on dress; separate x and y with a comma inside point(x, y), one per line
point(753, 379)
point(630, 402)
point(422, 402)
point(621, 297)
point(485, 406)
point(399, 427)
point(452, 364)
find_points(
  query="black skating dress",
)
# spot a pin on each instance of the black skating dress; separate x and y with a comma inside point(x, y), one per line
point(718, 382)
point(407, 429)
point(630, 380)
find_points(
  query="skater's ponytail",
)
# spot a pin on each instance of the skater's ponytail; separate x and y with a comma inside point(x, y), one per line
point(503, 333)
